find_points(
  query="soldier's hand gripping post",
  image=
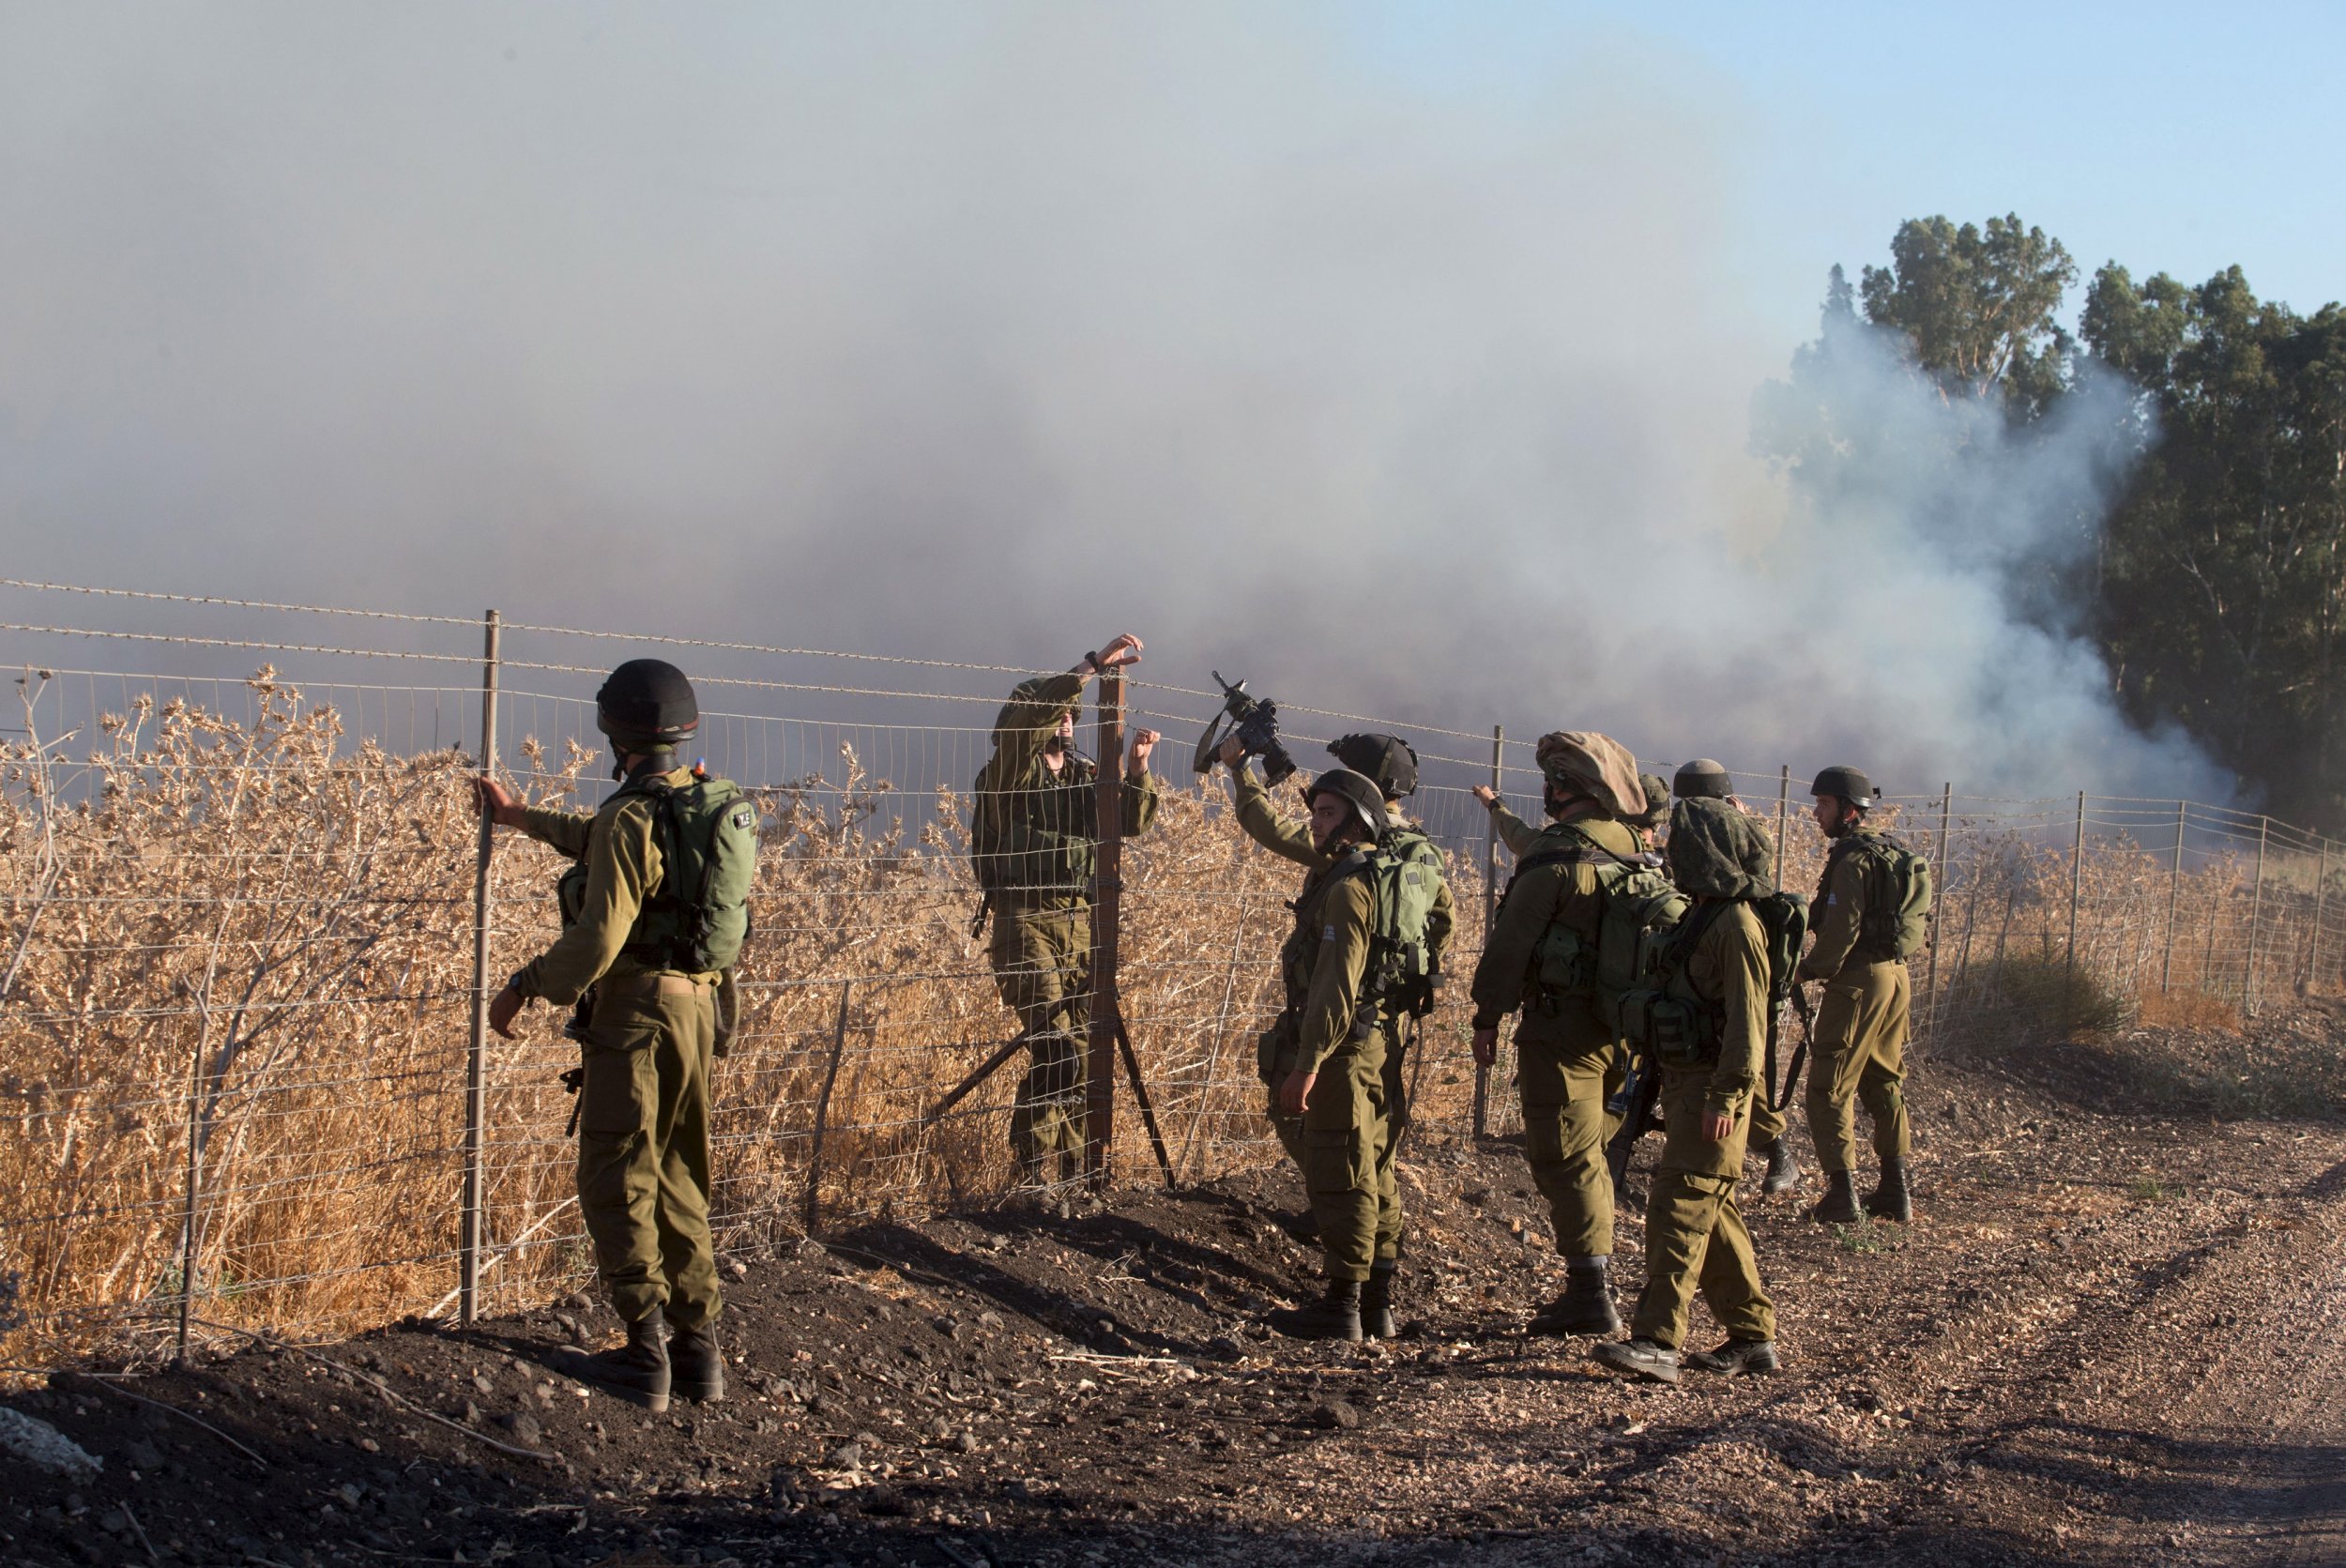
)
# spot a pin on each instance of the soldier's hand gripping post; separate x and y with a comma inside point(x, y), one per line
point(654, 911)
point(1034, 847)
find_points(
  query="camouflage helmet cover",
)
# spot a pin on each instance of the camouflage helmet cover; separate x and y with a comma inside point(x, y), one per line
point(1582, 762)
point(1657, 803)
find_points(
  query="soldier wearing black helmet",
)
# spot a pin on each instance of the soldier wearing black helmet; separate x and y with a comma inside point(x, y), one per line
point(1034, 847)
point(648, 1025)
point(1391, 763)
point(1705, 780)
point(1337, 1085)
point(1861, 1027)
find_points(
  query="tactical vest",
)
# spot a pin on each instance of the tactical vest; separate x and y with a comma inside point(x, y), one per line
point(697, 919)
point(1894, 900)
point(1041, 839)
point(1682, 1028)
point(1405, 878)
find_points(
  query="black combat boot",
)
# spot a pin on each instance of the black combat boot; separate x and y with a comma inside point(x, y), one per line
point(1889, 1201)
point(1839, 1203)
point(1640, 1357)
point(1737, 1356)
point(1377, 1303)
point(1585, 1307)
point(1783, 1170)
point(696, 1367)
point(637, 1371)
point(1335, 1315)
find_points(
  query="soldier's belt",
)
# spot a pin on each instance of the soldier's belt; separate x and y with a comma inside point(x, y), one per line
point(654, 985)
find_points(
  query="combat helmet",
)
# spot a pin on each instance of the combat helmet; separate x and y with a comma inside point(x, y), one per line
point(1582, 762)
point(1388, 759)
point(1849, 782)
point(647, 705)
point(1357, 790)
point(1657, 803)
point(1702, 780)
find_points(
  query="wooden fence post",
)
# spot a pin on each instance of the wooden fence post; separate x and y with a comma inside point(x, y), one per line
point(1107, 907)
point(1947, 809)
point(2313, 938)
point(1783, 814)
point(1490, 915)
point(2077, 886)
point(477, 1060)
point(812, 1211)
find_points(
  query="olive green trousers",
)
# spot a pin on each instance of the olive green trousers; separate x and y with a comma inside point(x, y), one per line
point(1860, 1054)
point(1042, 961)
point(1695, 1236)
point(643, 1153)
point(1347, 1158)
point(1564, 1131)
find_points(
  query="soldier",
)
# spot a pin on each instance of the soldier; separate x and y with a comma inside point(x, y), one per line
point(1389, 762)
point(1337, 1086)
point(1034, 847)
point(1860, 1042)
point(637, 956)
point(1705, 780)
point(1565, 1046)
point(1716, 971)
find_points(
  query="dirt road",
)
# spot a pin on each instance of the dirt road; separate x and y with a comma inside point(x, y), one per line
point(2109, 1339)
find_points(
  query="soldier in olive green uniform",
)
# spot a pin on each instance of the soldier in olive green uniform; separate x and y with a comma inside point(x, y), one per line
point(1034, 847)
point(1338, 1083)
point(1705, 780)
point(649, 1033)
point(1860, 1043)
point(1565, 1046)
point(1695, 1237)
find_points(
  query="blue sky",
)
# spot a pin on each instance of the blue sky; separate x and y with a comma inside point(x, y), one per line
point(2168, 137)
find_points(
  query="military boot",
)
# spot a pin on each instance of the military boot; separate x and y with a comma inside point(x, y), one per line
point(1335, 1315)
point(1783, 1170)
point(1889, 1201)
point(637, 1371)
point(696, 1367)
point(1640, 1357)
point(1585, 1307)
point(1377, 1303)
point(1839, 1203)
point(1737, 1356)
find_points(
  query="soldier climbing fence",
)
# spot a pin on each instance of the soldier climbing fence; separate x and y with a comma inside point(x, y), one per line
point(249, 924)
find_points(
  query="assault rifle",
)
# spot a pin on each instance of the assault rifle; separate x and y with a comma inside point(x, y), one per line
point(1255, 721)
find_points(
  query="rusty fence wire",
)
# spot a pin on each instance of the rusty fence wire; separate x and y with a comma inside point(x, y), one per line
point(242, 951)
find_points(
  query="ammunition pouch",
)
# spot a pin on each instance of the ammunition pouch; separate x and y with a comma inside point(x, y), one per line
point(1676, 1032)
point(1277, 1051)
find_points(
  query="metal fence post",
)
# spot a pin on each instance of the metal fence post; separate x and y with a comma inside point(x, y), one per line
point(1783, 814)
point(1946, 808)
point(1107, 909)
point(2313, 939)
point(2174, 892)
point(2256, 913)
point(476, 1061)
point(812, 1211)
point(1490, 915)
point(2077, 886)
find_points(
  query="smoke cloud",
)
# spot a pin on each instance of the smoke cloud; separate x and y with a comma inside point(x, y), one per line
point(982, 333)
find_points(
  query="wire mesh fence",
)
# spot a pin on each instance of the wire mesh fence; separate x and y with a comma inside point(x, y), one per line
point(242, 961)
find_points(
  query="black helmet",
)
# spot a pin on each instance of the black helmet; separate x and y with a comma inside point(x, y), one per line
point(1848, 783)
point(646, 704)
point(1358, 790)
point(1386, 758)
point(1702, 780)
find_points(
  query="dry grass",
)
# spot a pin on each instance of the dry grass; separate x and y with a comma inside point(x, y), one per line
point(245, 950)
point(2187, 1010)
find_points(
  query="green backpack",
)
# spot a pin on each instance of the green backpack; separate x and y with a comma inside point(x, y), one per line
point(1896, 919)
point(1641, 908)
point(1406, 872)
point(1664, 1013)
point(698, 919)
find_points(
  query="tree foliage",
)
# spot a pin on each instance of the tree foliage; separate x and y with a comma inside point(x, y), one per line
point(1978, 305)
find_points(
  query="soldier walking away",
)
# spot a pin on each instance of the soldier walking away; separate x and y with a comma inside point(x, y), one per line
point(1705, 780)
point(1356, 955)
point(1389, 762)
point(1869, 912)
point(1539, 959)
point(654, 910)
point(1711, 1026)
point(1034, 847)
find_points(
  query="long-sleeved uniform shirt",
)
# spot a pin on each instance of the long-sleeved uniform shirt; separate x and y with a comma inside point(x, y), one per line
point(1292, 839)
point(622, 851)
point(1043, 823)
point(1562, 893)
point(1341, 901)
point(1839, 912)
point(1728, 969)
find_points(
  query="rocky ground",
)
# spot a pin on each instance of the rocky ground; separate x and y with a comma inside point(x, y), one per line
point(2113, 1335)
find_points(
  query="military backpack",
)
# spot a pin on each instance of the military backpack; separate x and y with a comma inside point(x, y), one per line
point(1893, 920)
point(1668, 1016)
point(699, 917)
point(1639, 909)
point(1405, 875)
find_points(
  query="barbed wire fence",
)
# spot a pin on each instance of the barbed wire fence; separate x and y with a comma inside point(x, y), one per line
point(251, 928)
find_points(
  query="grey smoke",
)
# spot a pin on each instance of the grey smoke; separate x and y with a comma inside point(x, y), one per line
point(983, 333)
